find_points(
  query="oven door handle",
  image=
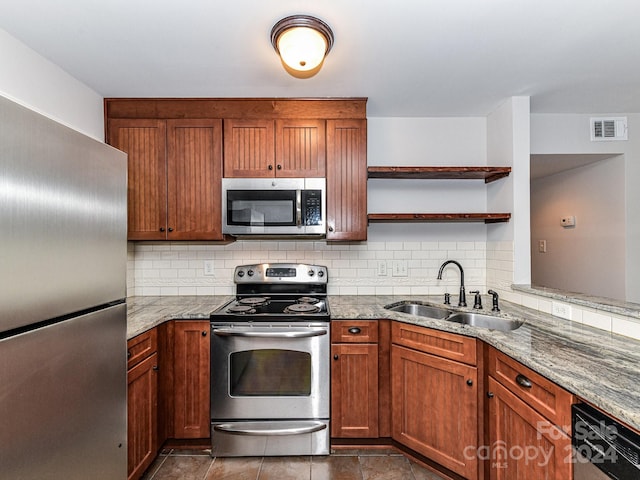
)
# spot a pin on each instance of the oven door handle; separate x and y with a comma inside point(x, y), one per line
point(228, 332)
point(237, 430)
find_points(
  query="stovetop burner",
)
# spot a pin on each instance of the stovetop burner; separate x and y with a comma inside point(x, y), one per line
point(301, 308)
point(308, 300)
point(244, 309)
point(254, 301)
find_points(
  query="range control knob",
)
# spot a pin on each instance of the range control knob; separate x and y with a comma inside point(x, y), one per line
point(311, 273)
point(321, 273)
point(250, 273)
point(241, 273)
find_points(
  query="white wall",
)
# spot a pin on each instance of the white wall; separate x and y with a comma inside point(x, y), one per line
point(33, 81)
point(590, 257)
point(508, 145)
point(569, 134)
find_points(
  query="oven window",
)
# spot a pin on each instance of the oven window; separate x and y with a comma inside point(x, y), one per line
point(270, 372)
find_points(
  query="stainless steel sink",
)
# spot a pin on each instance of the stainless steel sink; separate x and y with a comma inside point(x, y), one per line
point(485, 321)
point(420, 310)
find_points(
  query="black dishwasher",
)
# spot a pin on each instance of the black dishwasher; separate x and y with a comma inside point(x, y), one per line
point(603, 448)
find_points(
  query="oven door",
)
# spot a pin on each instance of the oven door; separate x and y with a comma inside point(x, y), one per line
point(269, 372)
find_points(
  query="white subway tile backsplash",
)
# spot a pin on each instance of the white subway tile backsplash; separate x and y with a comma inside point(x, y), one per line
point(171, 269)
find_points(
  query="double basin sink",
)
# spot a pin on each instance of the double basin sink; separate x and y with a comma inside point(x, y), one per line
point(467, 318)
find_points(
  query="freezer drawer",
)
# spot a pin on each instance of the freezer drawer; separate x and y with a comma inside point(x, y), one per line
point(63, 400)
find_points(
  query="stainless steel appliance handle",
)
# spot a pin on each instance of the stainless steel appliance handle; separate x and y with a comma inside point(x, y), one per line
point(229, 332)
point(233, 429)
point(298, 208)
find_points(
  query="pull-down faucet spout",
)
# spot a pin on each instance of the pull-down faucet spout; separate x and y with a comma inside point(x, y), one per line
point(462, 300)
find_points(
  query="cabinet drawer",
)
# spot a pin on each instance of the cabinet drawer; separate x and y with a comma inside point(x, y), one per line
point(544, 396)
point(354, 331)
point(443, 344)
point(141, 346)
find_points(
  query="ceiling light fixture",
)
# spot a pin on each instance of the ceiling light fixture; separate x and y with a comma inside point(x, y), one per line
point(302, 41)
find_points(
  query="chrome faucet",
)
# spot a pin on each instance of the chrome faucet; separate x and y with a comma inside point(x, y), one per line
point(462, 300)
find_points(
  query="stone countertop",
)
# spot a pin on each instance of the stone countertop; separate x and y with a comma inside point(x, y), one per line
point(144, 313)
point(598, 366)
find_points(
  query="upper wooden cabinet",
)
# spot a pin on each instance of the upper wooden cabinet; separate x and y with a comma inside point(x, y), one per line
point(177, 159)
point(175, 172)
point(286, 148)
point(144, 140)
point(347, 180)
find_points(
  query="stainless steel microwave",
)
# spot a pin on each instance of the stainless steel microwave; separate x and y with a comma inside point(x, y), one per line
point(274, 206)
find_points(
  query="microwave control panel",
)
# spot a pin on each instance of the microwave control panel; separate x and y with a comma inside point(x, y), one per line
point(312, 207)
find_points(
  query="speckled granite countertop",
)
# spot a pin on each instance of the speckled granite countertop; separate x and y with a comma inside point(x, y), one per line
point(601, 367)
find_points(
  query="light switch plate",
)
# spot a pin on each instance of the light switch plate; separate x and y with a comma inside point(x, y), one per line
point(208, 268)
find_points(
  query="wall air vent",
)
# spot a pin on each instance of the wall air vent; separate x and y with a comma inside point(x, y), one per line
point(608, 129)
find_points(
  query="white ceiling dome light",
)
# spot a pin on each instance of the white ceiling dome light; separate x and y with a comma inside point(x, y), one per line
point(302, 41)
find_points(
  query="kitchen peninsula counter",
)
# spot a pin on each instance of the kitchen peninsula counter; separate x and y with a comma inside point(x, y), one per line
point(598, 366)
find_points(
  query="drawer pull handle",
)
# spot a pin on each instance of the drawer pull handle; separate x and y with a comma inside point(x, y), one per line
point(523, 381)
point(354, 330)
point(128, 354)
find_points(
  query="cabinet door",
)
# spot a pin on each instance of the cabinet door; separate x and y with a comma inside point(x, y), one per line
point(300, 148)
point(191, 379)
point(346, 180)
point(249, 148)
point(354, 390)
point(194, 179)
point(144, 142)
point(524, 445)
point(434, 408)
point(142, 418)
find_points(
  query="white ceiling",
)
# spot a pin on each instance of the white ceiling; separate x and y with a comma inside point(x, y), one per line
point(410, 57)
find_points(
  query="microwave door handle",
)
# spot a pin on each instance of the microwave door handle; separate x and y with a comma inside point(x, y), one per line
point(298, 208)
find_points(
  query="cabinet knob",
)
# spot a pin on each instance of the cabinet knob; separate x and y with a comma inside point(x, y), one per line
point(335, 357)
point(162, 229)
point(354, 330)
point(279, 167)
point(270, 167)
point(155, 367)
point(128, 353)
point(470, 382)
point(489, 394)
point(170, 229)
point(204, 333)
point(330, 228)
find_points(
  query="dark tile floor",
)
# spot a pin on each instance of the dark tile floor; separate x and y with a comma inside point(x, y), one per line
point(340, 465)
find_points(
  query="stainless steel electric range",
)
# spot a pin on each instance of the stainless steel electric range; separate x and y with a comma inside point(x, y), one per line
point(270, 363)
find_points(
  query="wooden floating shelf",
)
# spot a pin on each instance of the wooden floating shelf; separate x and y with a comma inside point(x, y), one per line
point(439, 217)
point(488, 174)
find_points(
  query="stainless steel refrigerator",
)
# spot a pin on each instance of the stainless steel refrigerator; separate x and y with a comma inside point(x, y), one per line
point(63, 250)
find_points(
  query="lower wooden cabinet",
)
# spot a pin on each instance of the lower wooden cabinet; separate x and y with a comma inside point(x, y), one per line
point(354, 379)
point(529, 423)
point(523, 443)
point(191, 379)
point(435, 408)
point(142, 404)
